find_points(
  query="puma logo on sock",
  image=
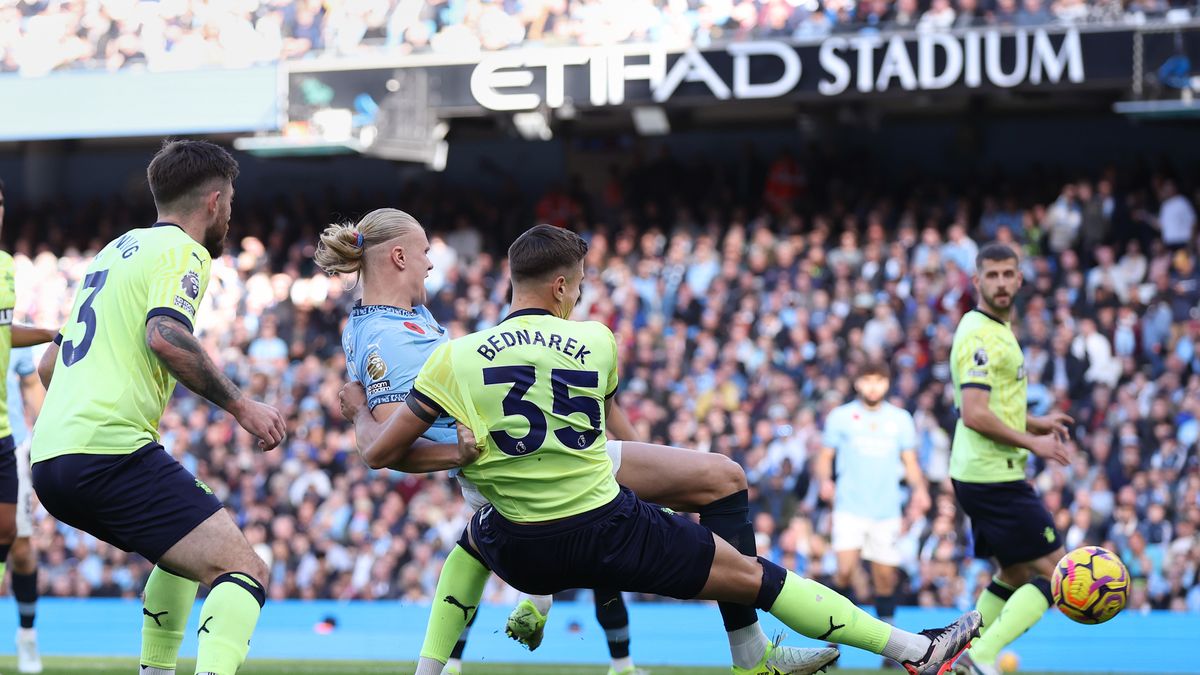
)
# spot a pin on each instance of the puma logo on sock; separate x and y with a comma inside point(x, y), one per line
point(154, 616)
point(832, 627)
point(466, 610)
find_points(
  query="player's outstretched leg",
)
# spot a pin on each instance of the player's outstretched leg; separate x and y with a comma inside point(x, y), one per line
point(818, 612)
point(459, 588)
point(613, 617)
point(454, 664)
point(714, 487)
point(166, 605)
point(527, 622)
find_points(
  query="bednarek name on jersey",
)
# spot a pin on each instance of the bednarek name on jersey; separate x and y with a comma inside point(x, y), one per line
point(494, 344)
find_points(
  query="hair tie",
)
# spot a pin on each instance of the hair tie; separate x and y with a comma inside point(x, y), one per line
point(360, 239)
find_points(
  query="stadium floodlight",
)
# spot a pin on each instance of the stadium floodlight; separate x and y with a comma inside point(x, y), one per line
point(651, 121)
point(533, 125)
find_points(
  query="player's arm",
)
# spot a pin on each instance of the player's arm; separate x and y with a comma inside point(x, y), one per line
point(32, 393)
point(394, 442)
point(617, 426)
point(45, 367)
point(977, 416)
point(823, 468)
point(183, 355)
point(28, 336)
point(427, 456)
point(915, 479)
point(1055, 423)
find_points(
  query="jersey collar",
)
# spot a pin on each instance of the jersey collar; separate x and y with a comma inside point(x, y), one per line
point(163, 223)
point(991, 316)
point(363, 310)
point(532, 311)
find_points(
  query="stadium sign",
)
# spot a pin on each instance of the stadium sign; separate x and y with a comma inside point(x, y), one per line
point(859, 66)
point(527, 80)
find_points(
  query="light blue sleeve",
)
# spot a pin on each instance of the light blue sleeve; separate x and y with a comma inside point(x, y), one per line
point(348, 348)
point(832, 435)
point(908, 430)
point(22, 362)
point(387, 363)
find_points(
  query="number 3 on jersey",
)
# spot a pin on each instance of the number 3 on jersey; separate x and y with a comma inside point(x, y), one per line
point(72, 353)
point(522, 379)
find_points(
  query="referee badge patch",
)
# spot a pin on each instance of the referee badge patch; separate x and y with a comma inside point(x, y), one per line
point(981, 357)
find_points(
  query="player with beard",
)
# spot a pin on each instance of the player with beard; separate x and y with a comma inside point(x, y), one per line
point(992, 441)
point(97, 462)
point(874, 444)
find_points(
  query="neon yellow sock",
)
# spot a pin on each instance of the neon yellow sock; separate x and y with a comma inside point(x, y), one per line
point(166, 605)
point(1025, 608)
point(991, 602)
point(459, 589)
point(821, 613)
point(227, 621)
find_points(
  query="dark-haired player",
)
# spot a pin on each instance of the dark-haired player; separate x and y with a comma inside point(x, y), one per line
point(536, 389)
point(97, 462)
point(992, 441)
point(874, 444)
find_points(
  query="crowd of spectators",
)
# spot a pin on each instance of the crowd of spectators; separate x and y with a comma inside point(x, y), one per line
point(742, 314)
point(40, 36)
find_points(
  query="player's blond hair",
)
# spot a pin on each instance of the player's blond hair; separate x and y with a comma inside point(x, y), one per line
point(343, 246)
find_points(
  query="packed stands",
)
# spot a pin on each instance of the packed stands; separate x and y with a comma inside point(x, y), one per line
point(41, 36)
point(743, 296)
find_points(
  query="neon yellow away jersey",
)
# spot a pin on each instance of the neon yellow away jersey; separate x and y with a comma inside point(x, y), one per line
point(8, 300)
point(533, 390)
point(109, 390)
point(986, 355)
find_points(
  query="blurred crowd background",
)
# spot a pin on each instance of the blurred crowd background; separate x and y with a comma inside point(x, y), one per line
point(744, 295)
point(40, 36)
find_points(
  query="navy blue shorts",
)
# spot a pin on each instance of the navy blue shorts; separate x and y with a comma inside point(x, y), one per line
point(626, 545)
point(8, 470)
point(143, 502)
point(1008, 520)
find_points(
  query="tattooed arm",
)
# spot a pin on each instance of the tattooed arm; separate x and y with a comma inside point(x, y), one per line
point(183, 355)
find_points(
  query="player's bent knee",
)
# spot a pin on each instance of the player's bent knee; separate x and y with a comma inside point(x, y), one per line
point(723, 476)
point(733, 474)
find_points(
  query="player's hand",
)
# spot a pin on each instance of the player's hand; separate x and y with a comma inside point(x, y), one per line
point(1049, 447)
point(920, 501)
point(353, 398)
point(262, 421)
point(468, 447)
point(1056, 423)
point(827, 492)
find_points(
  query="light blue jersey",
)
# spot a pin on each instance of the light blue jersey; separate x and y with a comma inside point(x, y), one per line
point(385, 348)
point(868, 444)
point(21, 365)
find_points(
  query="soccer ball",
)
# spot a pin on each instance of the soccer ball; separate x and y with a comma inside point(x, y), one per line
point(1008, 662)
point(1090, 585)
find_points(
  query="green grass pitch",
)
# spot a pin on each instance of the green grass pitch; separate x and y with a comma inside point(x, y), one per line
point(106, 666)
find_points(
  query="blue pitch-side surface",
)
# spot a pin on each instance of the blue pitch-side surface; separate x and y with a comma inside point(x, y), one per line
point(670, 634)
